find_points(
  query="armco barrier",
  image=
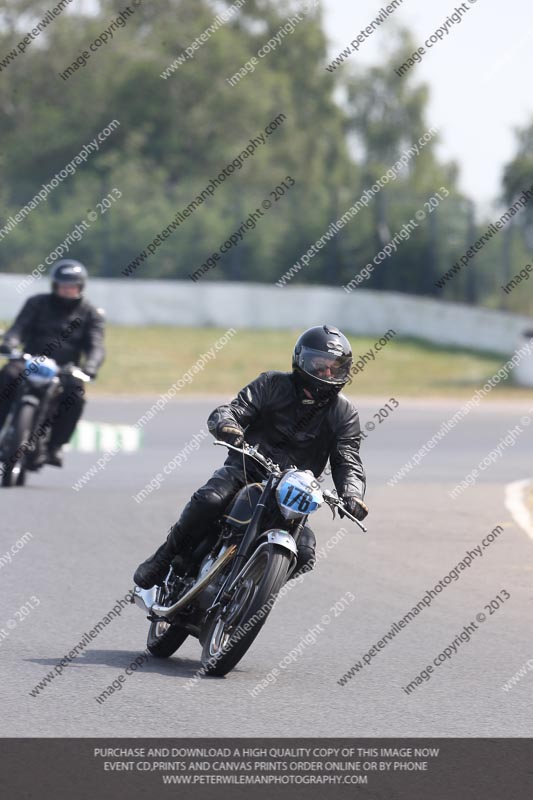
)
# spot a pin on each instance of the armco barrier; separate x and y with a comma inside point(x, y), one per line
point(252, 305)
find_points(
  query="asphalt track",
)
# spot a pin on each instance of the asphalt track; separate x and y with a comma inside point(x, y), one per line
point(86, 544)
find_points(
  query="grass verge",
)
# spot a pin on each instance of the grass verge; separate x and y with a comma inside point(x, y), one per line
point(149, 360)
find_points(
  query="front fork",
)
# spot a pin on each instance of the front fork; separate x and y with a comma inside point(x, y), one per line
point(275, 536)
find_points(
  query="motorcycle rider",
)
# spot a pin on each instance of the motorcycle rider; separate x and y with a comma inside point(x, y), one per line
point(66, 326)
point(296, 418)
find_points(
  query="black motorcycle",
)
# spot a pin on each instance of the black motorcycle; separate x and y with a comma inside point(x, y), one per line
point(244, 562)
point(39, 397)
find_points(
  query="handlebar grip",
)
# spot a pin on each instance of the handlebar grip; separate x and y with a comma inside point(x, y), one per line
point(335, 502)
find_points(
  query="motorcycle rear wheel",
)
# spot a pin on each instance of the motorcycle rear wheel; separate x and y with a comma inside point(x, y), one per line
point(164, 638)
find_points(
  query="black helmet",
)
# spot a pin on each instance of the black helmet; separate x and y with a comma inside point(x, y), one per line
point(321, 361)
point(68, 272)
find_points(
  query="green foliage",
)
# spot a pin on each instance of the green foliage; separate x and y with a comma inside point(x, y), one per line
point(342, 131)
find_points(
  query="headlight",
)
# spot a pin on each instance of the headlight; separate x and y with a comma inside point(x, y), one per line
point(297, 494)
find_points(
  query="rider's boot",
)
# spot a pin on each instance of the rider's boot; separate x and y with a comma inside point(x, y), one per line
point(54, 457)
point(154, 570)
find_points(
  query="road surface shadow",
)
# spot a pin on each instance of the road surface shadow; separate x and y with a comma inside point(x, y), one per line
point(122, 659)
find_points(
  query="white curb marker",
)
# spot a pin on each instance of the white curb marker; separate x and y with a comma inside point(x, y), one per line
point(94, 437)
point(516, 504)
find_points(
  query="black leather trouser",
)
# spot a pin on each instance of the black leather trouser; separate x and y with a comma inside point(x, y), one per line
point(209, 502)
point(66, 411)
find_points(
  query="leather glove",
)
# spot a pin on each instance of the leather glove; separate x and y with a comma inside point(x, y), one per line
point(230, 432)
point(355, 507)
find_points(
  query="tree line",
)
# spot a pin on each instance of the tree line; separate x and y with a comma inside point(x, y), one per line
point(162, 73)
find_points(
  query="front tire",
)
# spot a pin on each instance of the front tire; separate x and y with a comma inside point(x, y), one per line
point(257, 591)
point(15, 473)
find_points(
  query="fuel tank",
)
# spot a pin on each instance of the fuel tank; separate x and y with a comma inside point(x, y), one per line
point(241, 509)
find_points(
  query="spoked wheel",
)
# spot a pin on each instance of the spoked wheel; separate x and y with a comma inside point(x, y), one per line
point(164, 638)
point(14, 473)
point(232, 631)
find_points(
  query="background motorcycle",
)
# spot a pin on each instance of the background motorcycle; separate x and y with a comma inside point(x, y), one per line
point(244, 562)
point(25, 435)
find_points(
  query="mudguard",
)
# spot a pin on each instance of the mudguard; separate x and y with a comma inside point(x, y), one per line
point(281, 538)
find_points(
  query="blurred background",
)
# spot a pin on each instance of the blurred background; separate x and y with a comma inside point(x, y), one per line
point(348, 119)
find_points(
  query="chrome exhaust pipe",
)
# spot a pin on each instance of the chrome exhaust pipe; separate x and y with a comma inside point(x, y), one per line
point(169, 611)
point(145, 598)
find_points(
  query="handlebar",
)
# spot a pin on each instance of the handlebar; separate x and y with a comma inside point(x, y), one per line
point(76, 372)
point(66, 369)
point(252, 451)
point(336, 502)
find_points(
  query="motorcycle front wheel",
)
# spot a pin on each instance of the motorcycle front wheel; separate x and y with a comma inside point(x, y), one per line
point(231, 631)
point(14, 473)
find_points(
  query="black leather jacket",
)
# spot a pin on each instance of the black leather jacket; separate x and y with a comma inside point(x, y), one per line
point(271, 411)
point(64, 331)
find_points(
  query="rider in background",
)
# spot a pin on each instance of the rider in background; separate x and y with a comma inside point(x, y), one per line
point(65, 326)
point(296, 418)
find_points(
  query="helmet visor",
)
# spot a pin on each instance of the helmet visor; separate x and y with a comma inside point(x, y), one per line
point(325, 366)
point(68, 289)
point(70, 276)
